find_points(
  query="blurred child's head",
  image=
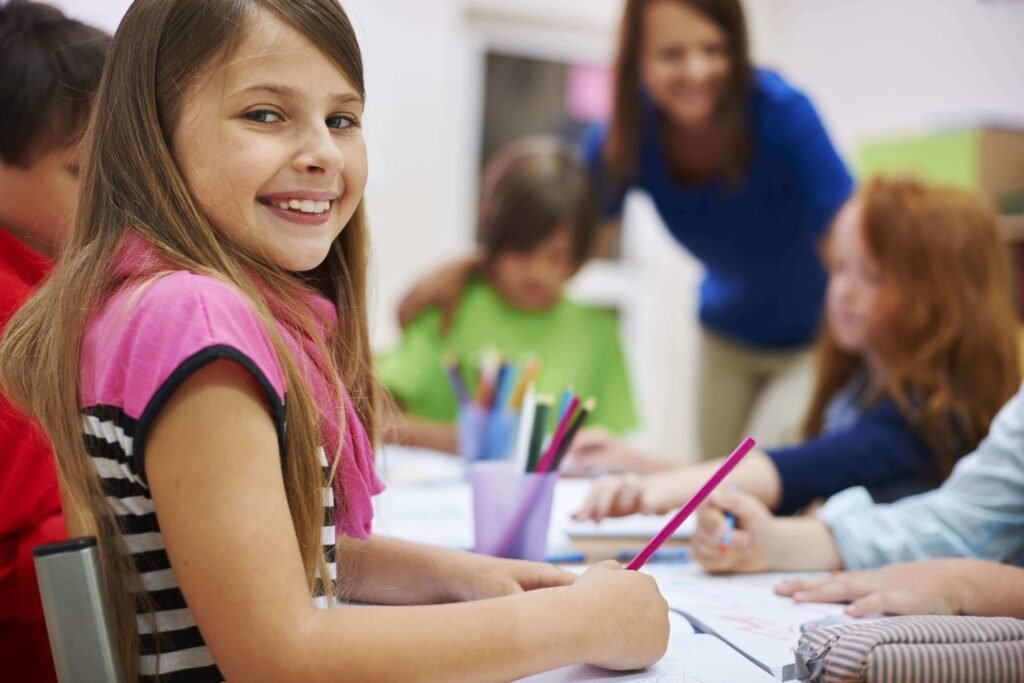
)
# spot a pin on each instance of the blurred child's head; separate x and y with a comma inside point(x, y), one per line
point(919, 291)
point(537, 221)
point(50, 67)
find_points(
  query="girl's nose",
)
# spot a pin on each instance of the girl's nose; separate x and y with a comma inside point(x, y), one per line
point(319, 153)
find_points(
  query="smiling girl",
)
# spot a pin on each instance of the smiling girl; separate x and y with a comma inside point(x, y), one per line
point(199, 360)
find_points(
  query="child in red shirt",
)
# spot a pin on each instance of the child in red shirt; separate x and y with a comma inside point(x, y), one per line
point(49, 67)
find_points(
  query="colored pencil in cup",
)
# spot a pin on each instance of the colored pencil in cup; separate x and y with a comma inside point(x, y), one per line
point(455, 377)
point(546, 460)
point(577, 422)
point(540, 427)
point(734, 458)
point(521, 452)
point(526, 378)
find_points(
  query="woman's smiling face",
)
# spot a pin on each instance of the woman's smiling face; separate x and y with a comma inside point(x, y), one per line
point(684, 61)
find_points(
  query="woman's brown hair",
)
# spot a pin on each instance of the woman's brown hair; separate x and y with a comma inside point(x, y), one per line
point(131, 182)
point(950, 355)
point(622, 145)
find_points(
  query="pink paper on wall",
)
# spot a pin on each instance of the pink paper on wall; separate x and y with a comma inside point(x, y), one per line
point(588, 93)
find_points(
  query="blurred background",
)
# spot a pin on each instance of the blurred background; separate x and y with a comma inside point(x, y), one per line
point(932, 86)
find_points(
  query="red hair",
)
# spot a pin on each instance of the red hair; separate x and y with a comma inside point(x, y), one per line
point(950, 357)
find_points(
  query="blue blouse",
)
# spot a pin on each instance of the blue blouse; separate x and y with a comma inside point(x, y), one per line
point(873, 447)
point(764, 282)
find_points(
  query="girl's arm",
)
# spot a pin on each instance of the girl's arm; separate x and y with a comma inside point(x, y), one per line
point(399, 428)
point(661, 492)
point(760, 542)
point(215, 475)
point(390, 571)
point(948, 586)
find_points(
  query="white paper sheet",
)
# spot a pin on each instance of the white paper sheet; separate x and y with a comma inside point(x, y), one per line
point(744, 611)
point(689, 659)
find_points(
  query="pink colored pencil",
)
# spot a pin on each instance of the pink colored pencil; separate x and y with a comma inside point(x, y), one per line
point(544, 464)
point(692, 504)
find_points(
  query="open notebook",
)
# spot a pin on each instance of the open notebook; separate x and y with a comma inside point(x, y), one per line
point(743, 611)
point(691, 658)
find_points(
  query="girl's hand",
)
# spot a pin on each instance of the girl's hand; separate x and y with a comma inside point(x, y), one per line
point(931, 587)
point(626, 494)
point(628, 616)
point(481, 576)
point(442, 288)
point(595, 451)
point(754, 534)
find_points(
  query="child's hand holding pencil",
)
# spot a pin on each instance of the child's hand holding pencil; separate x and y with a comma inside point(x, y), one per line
point(733, 533)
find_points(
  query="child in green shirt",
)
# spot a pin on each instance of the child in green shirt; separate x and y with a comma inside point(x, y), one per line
point(536, 226)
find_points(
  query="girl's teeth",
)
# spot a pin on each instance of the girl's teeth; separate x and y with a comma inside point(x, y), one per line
point(304, 205)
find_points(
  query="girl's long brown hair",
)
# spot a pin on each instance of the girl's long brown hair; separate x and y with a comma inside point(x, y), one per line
point(950, 355)
point(622, 145)
point(131, 182)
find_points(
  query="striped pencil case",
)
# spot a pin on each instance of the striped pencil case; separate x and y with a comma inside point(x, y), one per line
point(936, 649)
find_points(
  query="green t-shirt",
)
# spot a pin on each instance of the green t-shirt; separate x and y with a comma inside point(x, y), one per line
point(576, 344)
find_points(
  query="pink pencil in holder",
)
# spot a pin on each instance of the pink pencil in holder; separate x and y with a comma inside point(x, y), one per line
point(734, 458)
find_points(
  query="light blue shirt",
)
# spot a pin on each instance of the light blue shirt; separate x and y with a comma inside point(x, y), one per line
point(977, 512)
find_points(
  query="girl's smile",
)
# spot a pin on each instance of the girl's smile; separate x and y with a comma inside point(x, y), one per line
point(304, 208)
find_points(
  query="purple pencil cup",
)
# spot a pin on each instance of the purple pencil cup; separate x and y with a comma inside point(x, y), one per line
point(511, 510)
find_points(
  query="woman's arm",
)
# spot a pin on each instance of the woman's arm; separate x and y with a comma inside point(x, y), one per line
point(215, 475)
point(441, 288)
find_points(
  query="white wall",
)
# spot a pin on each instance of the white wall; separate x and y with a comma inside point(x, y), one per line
point(871, 66)
point(875, 67)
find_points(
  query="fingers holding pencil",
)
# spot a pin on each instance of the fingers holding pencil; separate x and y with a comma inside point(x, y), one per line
point(722, 550)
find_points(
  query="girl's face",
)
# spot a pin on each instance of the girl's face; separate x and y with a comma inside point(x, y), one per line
point(271, 147)
point(858, 291)
point(533, 280)
point(684, 61)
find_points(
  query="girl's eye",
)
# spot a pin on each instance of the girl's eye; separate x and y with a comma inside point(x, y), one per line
point(263, 116)
point(341, 121)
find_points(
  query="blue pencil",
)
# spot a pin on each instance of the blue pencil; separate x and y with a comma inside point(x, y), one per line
point(499, 385)
point(663, 555)
point(566, 398)
point(730, 525)
point(455, 376)
point(505, 388)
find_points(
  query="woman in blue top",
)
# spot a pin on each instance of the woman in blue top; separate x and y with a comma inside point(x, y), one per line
point(745, 177)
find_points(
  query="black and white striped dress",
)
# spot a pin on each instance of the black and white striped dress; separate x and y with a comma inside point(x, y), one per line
point(139, 348)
